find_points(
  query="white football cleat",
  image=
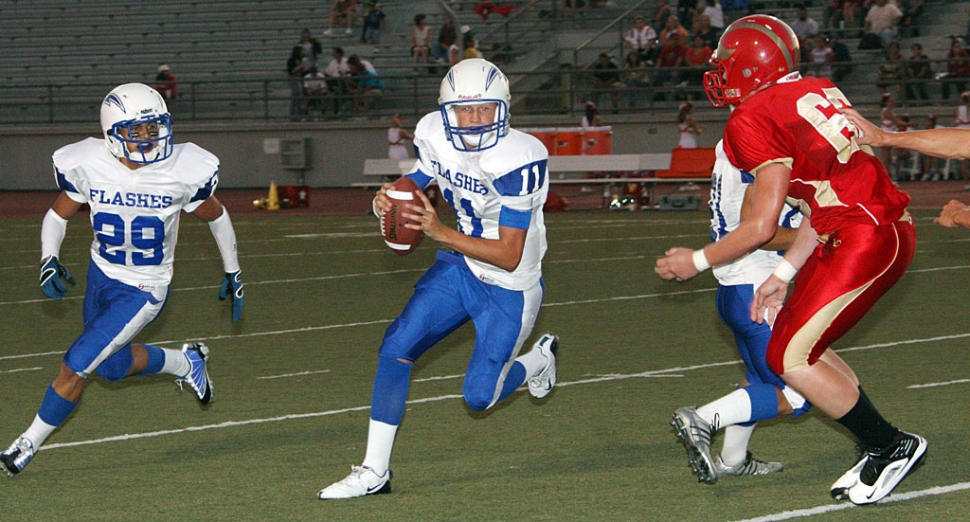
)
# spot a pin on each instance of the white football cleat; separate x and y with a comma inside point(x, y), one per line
point(542, 383)
point(885, 469)
point(362, 481)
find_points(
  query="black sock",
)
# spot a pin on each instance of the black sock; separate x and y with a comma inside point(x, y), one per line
point(867, 424)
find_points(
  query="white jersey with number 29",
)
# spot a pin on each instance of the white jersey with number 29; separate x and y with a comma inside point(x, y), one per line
point(135, 213)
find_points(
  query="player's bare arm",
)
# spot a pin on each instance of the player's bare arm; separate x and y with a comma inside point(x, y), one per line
point(783, 237)
point(65, 207)
point(210, 210)
point(951, 143)
point(504, 252)
point(770, 188)
point(770, 296)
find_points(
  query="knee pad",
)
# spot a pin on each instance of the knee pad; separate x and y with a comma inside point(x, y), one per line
point(117, 366)
point(477, 401)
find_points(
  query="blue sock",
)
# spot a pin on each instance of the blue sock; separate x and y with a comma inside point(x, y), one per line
point(54, 410)
point(764, 402)
point(390, 390)
point(514, 379)
point(156, 360)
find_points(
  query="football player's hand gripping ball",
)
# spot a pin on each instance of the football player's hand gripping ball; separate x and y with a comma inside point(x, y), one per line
point(51, 274)
point(232, 288)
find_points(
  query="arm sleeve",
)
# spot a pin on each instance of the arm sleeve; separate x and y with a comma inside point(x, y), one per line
point(52, 233)
point(225, 237)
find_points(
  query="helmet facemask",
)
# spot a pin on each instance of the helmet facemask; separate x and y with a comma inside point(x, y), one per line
point(156, 146)
point(479, 137)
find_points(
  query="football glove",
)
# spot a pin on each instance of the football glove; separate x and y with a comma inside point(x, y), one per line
point(51, 273)
point(232, 288)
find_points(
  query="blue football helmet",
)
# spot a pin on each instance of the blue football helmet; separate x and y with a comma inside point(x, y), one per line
point(475, 81)
point(131, 105)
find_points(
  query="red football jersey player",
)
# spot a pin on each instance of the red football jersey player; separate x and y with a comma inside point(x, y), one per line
point(856, 241)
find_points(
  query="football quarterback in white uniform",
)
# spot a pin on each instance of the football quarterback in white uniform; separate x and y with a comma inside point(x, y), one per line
point(136, 182)
point(496, 180)
point(763, 395)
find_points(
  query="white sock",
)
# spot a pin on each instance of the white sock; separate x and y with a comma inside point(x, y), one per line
point(380, 442)
point(176, 363)
point(735, 448)
point(533, 361)
point(38, 432)
point(733, 408)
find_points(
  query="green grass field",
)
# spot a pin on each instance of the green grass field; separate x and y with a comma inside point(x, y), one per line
point(292, 384)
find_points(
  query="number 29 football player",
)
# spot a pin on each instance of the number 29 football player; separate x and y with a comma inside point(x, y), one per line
point(495, 179)
point(136, 182)
point(855, 241)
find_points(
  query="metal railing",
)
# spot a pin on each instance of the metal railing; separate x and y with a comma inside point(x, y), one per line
point(559, 92)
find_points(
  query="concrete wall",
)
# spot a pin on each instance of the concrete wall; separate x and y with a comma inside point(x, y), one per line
point(250, 153)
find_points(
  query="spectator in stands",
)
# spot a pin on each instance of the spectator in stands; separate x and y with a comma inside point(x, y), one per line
point(296, 67)
point(671, 57)
point(640, 39)
point(454, 54)
point(672, 29)
point(471, 47)
point(961, 119)
point(688, 127)
point(661, 15)
point(590, 118)
point(823, 56)
point(891, 72)
point(696, 57)
point(957, 68)
point(337, 73)
point(931, 164)
point(705, 29)
point(396, 135)
point(715, 14)
point(852, 12)
point(912, 10)
point(447, 36)
point(919, 73)
point(843, 58)
point(420, 41)
point(315, 92)
point(889, 122)
point(366, 85)
point(311, 47)
point(685, 12)
point(372, 25)
point(165, 83)
point(342, 13)
point(606, 79)
point(832, 14)
point(805, 28)
point(883, 20)
point(635, 77)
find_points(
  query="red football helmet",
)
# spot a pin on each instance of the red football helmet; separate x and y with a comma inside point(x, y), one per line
point(754, 51)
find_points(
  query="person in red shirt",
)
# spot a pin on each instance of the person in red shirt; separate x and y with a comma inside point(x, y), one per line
point(957, 69)
point(855, 242)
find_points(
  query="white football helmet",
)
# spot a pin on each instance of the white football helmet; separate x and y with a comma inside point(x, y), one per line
point(475, 81)
point(128, 106)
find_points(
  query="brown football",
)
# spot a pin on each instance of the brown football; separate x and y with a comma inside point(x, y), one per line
point(400, 239)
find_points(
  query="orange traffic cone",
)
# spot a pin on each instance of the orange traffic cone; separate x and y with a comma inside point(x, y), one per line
point(273, 201)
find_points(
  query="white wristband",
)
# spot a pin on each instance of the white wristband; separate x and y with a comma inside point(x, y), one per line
point(785, 271)
point(52, 233)
point(225, 237)
point(700, 261)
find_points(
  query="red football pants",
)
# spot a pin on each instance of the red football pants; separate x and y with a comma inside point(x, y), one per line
point(836, 287)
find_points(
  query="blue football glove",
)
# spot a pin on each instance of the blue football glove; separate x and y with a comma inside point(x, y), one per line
point(51, 273)
point(232, 287)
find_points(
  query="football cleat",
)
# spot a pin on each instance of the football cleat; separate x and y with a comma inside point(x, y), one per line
point(840, 488)
point(696, 434)
point(750, 466)
point(15, 458)
point(362, 481)
point(542, 383)
point(198, 376)
point(884, 469)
